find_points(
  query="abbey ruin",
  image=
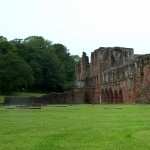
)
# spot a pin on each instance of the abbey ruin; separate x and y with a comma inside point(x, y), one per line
point(114, 75)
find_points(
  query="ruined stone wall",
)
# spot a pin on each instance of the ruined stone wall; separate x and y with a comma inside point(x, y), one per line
point(82, 71)
point(142, 84)
point(75, 96)
point(116, 75)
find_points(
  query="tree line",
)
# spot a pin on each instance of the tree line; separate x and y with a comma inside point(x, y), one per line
point(35, 64)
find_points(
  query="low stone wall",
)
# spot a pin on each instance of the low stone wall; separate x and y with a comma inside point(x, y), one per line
point(18, 100)
point(75, 96)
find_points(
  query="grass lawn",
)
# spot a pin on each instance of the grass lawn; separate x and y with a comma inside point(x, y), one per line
point(77, 127)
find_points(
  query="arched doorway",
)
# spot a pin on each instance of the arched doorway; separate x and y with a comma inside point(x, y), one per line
point(102, 95)
point(106, 96)
point(115, 96)
point(111, 95)
point(120, 98)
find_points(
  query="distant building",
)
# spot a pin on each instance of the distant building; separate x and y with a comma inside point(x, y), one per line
point(114, 75)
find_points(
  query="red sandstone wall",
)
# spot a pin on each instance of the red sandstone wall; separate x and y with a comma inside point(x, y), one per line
point(143, 87)
point(76, 96)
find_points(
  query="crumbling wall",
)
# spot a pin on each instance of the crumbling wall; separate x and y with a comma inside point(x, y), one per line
point(75, 96)
point(19, 100)
point(117, 76)
point(114, 75)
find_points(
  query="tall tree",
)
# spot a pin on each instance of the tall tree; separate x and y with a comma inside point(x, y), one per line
point(50, 65)
point(67, 65)
point(5, 46)
point(44, 62)
point(36, 42)
point(15, 73)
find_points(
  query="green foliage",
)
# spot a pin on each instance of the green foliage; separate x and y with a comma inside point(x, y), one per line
point(2, 99)
point(36, 42)
point(5, 46)
point(3, 39)
point(76, 58)
point(46, 67)
point(15, 73)
point(67, 64)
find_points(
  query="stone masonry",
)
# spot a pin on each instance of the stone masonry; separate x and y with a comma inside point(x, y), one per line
point(114, 75)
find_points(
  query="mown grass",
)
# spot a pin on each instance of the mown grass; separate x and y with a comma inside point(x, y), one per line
point(77, 127)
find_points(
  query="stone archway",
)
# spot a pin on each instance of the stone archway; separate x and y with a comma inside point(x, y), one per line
point(111, 97)
point(107, 96)
point(120, 96)
point(115, 96)
point(103, 95)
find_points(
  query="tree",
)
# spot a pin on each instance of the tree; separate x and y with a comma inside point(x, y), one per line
point(3, 39)
point(36, 42)
point(67, 65)
point(50, 65)
point(46, 70)
point(76, 58)
point(5, 46)
point(15, 73)
point(46, 65)
point(61, 51)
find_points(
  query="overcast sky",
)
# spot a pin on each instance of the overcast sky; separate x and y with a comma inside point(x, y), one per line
point(82, 25)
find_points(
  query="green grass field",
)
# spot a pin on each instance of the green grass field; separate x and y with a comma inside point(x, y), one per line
point(77, 127)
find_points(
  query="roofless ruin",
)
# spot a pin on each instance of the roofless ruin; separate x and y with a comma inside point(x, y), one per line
point(114, 75)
